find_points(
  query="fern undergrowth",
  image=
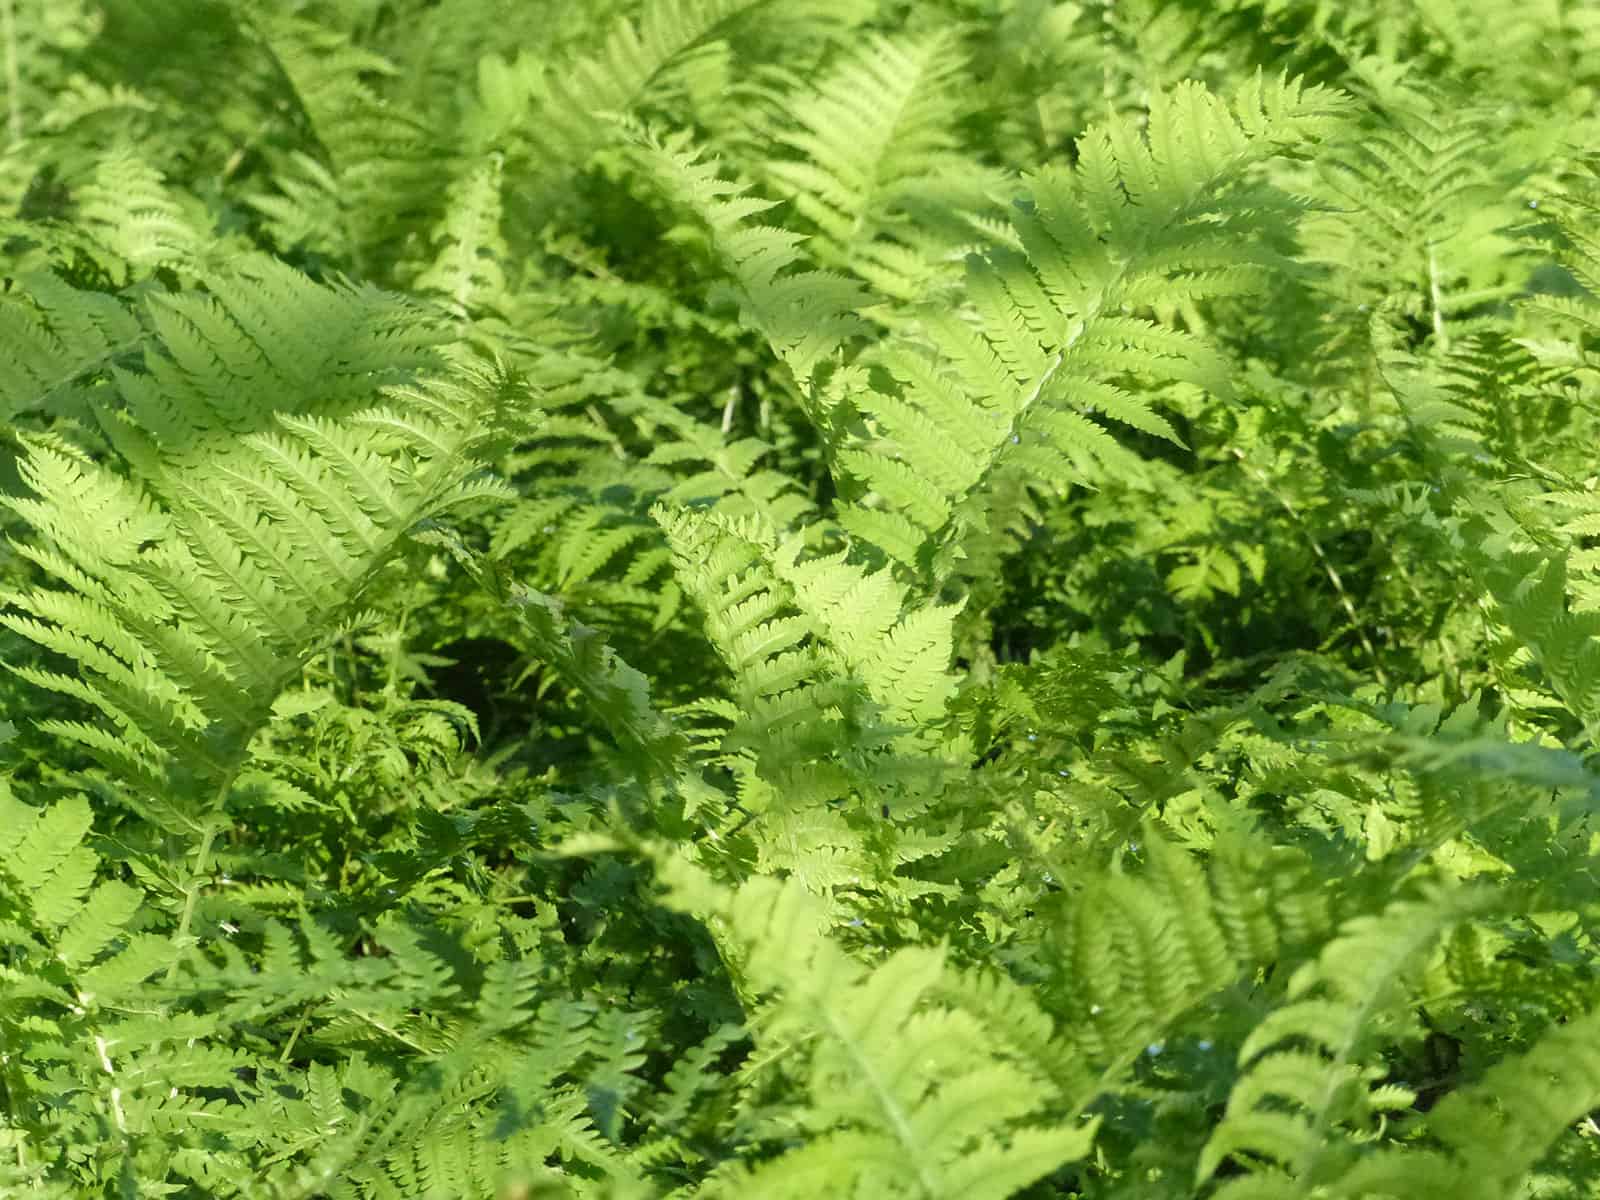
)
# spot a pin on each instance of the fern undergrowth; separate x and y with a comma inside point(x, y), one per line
point(704, 598)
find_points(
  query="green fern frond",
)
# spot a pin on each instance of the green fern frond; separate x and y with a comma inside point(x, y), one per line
point(1139, 952)
point(777, 618)
point(185, 619)
point(731, 480)
point(616, 693)
point(260, 339)
point(59, 341)
point(574, 101)
point(466, 271)
point(1495, 1132)
point(551, 115)
point(909, 1095)
point(265, 340)
point(1562, 639)
point(1574, 212)
point(72, 952)
point(1417, 217)
point(1310, 1086)
point(878, 172)
point(375, 163)
point(804, 314)
point(128, 209)
point(1055, 348)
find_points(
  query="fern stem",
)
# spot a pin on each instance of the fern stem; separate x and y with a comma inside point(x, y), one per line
point(191, 890)
point(899, 1120)
point(1327, 565)
point(294, 1034)
point(1441, 339)
point(8, 20)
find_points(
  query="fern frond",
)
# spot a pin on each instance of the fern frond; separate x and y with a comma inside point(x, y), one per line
point(59, 340)
point(128, 210)
point(878, 173)
point(804, 314)
point(775, 617)
point(1310, 1073)
point(466, 270)
point(909, 1095)
point(375, 164)
point(1138, 952)
point(185, 619)
point(1562, 639)
point(265, 340)
point(1055, 352)
point(574, 101)
point(1417, 220)
point(1495, 1131)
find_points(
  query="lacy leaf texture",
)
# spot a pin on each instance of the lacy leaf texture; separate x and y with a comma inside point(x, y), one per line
point(835, 600)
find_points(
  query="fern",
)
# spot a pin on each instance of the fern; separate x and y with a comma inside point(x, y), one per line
point(262, 338)
point(1053, 334)
point(877, 172)
point(1517, 1108)
point(803, 314)
point(944, 1110)
point(373, 163)
point(664, 598)
point(60, 340)
point(1337, 1007)
point(841, 620)
point(187, 618)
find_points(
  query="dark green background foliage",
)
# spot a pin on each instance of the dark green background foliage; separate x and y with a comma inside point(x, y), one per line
point(838, 598)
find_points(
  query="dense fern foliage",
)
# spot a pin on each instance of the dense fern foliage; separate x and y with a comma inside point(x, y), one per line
point(848, 598)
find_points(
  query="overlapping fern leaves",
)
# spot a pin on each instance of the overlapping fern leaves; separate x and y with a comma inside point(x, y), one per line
point(183, 595)
point(744, 390)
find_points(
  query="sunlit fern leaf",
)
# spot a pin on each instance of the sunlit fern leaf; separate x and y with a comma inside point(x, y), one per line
point(776, 617)
point(184, 619)
point(264, 340)
point(1310, 1088)
point(804, 314)
point(1055, 350)
point(467, 271)
point(136, 223)
point(878, 173)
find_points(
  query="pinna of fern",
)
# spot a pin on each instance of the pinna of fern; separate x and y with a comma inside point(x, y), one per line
point(950, 1105)
point(1051, 334)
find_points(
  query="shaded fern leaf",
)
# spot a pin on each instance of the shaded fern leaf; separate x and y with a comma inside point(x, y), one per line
point(60, 341)
point(1496, 1131)
point(878, 172)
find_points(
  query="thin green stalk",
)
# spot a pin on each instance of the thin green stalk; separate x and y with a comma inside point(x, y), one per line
point(191, 891)
point(1436, 300)
point(1327, 564)
point(8, 33)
